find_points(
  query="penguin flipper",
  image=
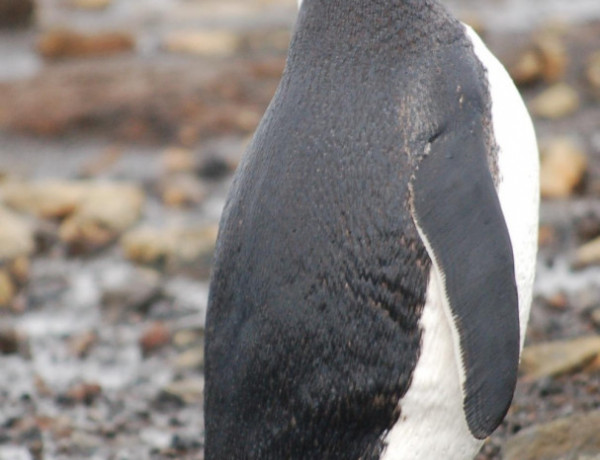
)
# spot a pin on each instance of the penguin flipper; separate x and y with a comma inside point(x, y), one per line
point(457, 212)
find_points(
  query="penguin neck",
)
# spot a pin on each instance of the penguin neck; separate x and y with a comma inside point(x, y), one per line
point(341, 26)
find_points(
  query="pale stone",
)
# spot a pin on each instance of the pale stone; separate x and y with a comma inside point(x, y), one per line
point(562, 168)
point(588, 254)
point(560, 357)
point(178, 190)
point(174, 245)
point(190, 391)
point(553, 54)
point(46, 199)
point(178, 160)
point(190, 359)
point(202, 42)
point(16, 236)
point(528, 68)
point(558, 101)
point(106, 211)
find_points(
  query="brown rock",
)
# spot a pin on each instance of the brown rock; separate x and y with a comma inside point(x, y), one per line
point(16, 236)
point(84, 393)
point(61, 427)
point(558, 101)
point(562, 168)
point(546, 235)
point(135, 98)
point(204, 43)
point(66, 43)
point(545, 58)
point(558, 301)
point(556, 358)
point(16, 13)
point(574, 437)
point(155, 337)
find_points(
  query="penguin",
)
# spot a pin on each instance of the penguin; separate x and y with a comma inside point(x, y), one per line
point(373, 272)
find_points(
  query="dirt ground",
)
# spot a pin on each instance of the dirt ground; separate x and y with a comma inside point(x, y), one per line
point(149, 104)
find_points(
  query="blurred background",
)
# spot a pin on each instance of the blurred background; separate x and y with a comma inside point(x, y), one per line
point(121, 122)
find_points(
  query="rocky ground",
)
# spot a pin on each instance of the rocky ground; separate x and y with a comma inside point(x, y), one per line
point(121, 122)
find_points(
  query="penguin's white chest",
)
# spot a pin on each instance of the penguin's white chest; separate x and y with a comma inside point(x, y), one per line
point(432, 423)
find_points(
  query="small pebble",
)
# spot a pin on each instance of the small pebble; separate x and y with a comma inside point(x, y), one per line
point(137, 290)
point(80, 345)
point(191, 359)
point(85, 393)
point(7, 289)
point(587, 254)
point(556, 102)
point(186, 337)
point(191, 391)
point(177, 160)
point(158, 439)
point(595, 317)
point(204, 43)
point(563, 167)
point(154, 337)
point(593, 71)
point(9, 341)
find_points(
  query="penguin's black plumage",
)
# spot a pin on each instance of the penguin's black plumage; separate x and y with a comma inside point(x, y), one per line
point(373, 174)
